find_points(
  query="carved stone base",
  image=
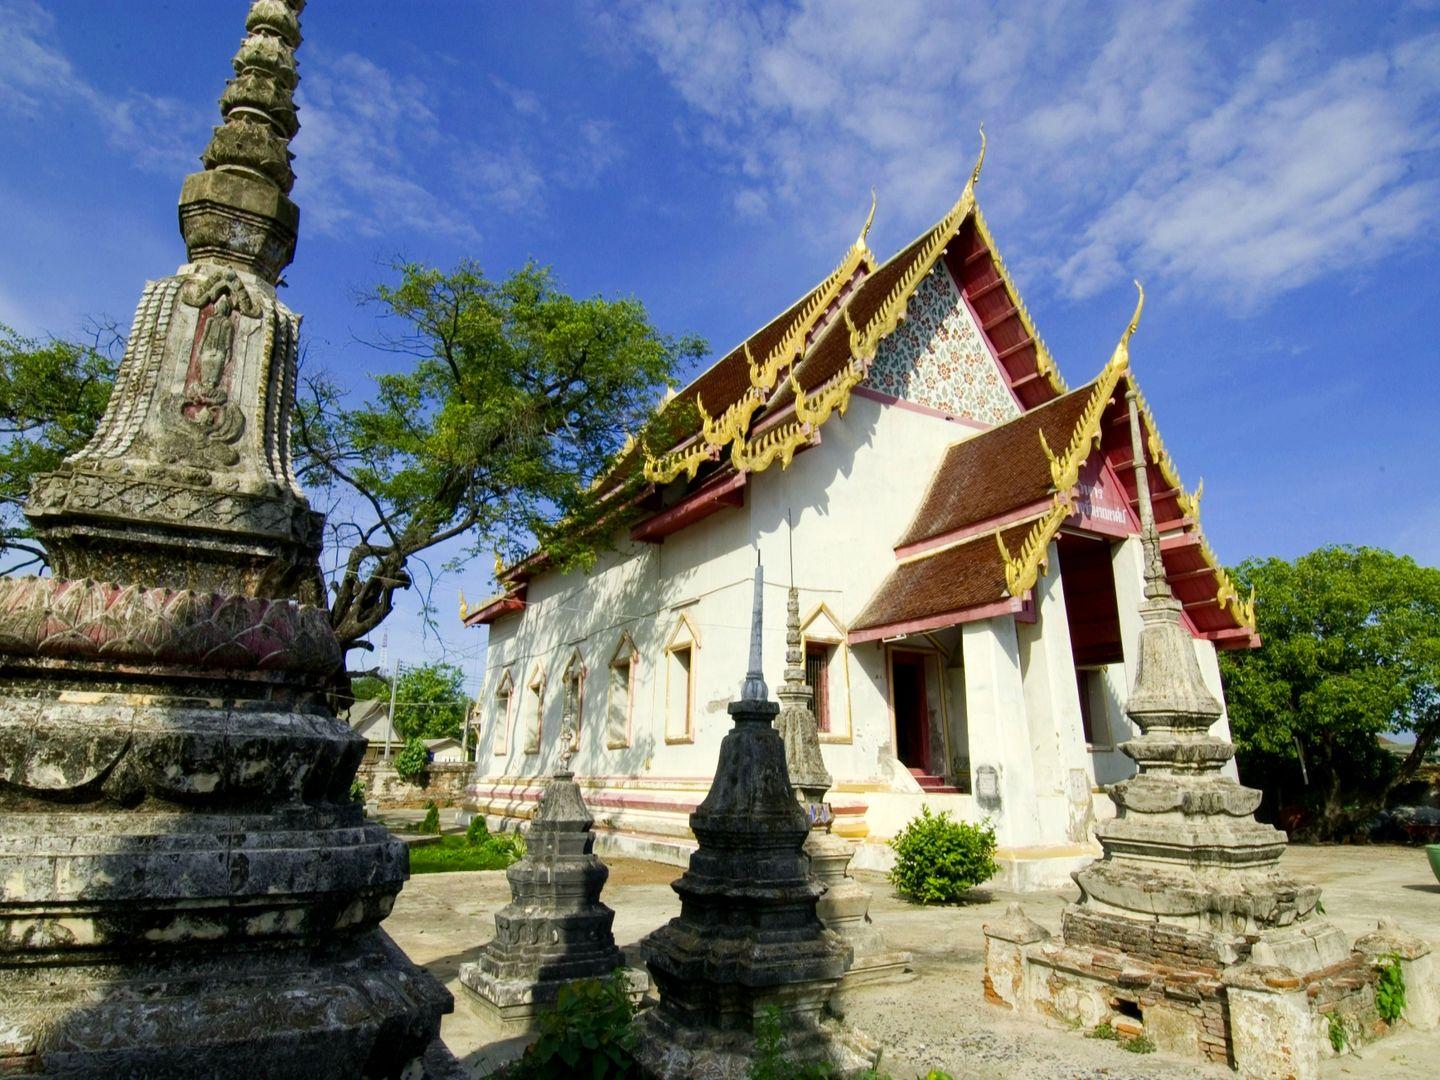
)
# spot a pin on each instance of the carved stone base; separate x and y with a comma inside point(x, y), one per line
point(360, 1009)
point(845, 909)
point(515, 1006)
point(672, 1047)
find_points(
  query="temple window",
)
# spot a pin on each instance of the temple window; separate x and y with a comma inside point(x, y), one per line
point(621, 696)
point(573, 685)
point(534, 710)
point(504, 698)
point(817, 677)
point(680, 655)
point(826, 673)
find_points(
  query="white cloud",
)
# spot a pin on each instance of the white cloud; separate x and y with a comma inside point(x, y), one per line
point(158, 134)
point(1135, 140)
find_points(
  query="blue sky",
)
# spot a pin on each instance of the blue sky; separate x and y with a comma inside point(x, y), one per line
point(1268, 170)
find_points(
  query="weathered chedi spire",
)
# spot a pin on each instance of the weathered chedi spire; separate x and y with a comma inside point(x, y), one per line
point(555, 930)
point(187, 482)
point(1184, 846)
point(747, 936)
point(186, 888)
point(845, 905)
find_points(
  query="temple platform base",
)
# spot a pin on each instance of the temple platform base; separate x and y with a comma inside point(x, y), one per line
point(1261, 1018)
point(512, 1007)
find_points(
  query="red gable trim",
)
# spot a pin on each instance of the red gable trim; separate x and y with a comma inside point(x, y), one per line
point(728, 491)
point(501, 606)
point(1008, 606)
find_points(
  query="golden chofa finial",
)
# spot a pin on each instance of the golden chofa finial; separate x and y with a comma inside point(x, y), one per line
point(1120, 358)
point(869, 220)
point(980, 161)
point(464, 606)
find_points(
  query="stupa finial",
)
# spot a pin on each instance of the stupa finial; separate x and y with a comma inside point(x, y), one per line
point(1156, 587)
point(237, 211)
point(754, 688)
point(258, 105)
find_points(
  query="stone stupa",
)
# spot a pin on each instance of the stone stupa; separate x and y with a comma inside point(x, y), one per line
point(845, 905)
point(1186, 930)
point(555, 930)
point(747, 936)
point(186, 888)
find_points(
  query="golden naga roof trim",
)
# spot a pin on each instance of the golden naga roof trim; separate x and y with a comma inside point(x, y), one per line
point(1065, 469)
point(1044, 362)
point(464, 607)
point(865, 340)
point(718, 432)
point(1022, 569)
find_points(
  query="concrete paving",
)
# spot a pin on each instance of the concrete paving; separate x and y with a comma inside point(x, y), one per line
point(940, 1018)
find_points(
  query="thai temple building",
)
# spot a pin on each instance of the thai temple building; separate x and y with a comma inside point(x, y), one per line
point(966, 548)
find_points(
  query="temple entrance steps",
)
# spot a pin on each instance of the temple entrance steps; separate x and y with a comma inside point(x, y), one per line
point(932, 784)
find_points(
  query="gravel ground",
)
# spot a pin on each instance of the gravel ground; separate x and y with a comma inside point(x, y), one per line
point(940, 1019)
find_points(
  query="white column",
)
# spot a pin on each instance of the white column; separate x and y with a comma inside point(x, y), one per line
point(1128, 566)
point(1052, 706)
point(1003, 777)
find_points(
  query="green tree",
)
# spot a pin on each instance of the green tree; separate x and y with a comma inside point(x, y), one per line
point(430, 702)
point(1351, 651)
point(516, 397)
point(52, 395)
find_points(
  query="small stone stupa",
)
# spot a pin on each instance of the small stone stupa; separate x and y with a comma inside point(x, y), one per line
point(1186, 929)
point(845, 905)
point(555, 930)
point(747, 936)
point(186, 888)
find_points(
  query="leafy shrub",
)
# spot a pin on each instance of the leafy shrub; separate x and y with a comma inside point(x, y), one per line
point(1138, 1045)
point(587, 1034)
point(430, 824)
point(937, 861)
point(1339, 1037)
point(476, 832)
point(411, 761)
point(452, 853)
point(357, 791)
point(770, 1063)
point(1103, 1030)
point(1389, 987)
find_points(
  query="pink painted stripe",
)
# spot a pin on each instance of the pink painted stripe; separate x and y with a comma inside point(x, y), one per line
point(955, 536)
point(1008, 606)
point(923, 410)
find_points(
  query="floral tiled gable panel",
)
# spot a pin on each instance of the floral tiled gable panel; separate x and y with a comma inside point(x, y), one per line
point(937, 358)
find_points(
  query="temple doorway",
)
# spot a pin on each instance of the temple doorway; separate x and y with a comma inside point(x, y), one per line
point(912, 709)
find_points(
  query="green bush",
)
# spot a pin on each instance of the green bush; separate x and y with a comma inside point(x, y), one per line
point(357, 791)
point(452, 853)
point(411, 761)
point(937, 861)
point(476, 833)
point(588, 1034)
point(430, 824)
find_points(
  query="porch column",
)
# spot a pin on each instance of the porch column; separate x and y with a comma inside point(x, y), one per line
point(1052, 703)
point(1002, 773)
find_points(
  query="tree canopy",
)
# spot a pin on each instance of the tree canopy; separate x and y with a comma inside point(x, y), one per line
point(1351, 651)
point(430, 702)
point(512, 398)
point(503, 401)
point(52, 395)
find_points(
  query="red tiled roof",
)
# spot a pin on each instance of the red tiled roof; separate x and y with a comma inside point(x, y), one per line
point(966, 575)
point(996, 471)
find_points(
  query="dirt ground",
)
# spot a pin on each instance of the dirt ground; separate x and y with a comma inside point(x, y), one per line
point(940, 1019)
